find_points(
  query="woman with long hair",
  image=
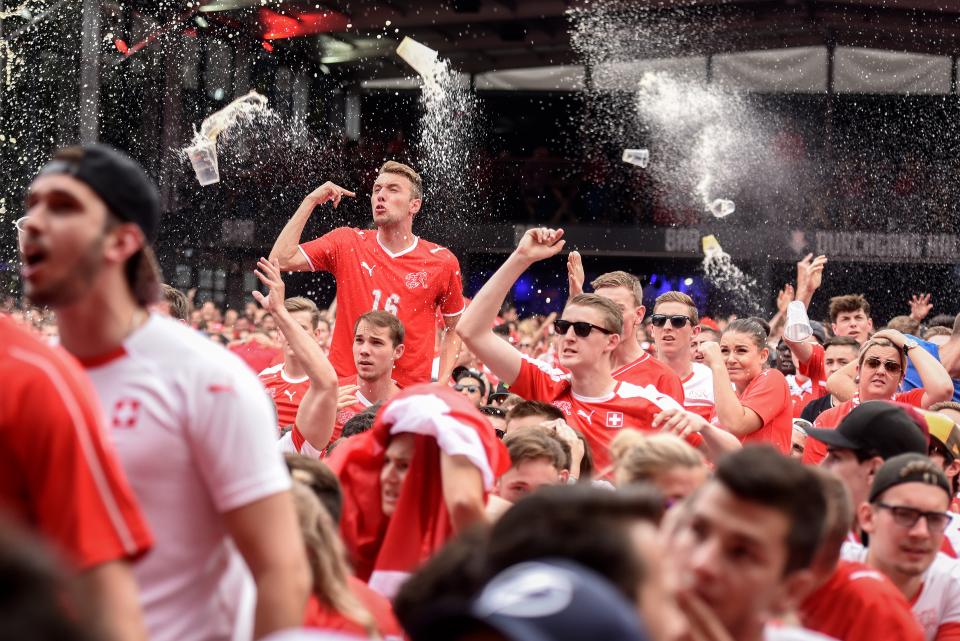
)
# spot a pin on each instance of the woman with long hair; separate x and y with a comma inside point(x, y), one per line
point(752, 401)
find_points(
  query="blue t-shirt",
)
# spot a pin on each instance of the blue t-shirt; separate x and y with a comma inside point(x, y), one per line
point(912, 379)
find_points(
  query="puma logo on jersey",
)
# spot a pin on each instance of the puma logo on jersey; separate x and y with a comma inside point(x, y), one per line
point(367, 267)
point(289, 394)
point(415, 279)
point(585, 415)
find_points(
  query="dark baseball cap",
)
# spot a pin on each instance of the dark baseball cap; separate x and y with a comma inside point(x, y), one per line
point(119, 181)
point(876, 426)
point(544, 600)
point(502, 390)
point(908, 468)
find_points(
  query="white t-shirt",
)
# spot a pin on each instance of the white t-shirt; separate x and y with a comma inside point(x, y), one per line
point(789, 633)
point(938, 604)
point(698, 390)
point(197, 438)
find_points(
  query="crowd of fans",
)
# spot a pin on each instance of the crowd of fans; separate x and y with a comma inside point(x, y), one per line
point(450, 470)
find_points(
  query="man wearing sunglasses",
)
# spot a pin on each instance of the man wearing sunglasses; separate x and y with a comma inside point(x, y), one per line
point(470, 383)
point(878, 373)
point(905, 517)
point(589, 331)
point(629, 360)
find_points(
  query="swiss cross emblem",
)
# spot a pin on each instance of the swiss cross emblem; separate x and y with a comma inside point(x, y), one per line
point(126, 412)
point(614, 419)
point(415, 279)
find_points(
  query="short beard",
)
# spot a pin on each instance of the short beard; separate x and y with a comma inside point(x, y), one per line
point(76, 284)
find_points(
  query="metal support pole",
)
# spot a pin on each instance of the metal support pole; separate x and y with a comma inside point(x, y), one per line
point(90, 72)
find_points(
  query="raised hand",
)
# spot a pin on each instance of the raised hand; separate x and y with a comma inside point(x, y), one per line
point(784, 298)
point(268, 271)
point(540, 243)
point(892, 335)
point(920, 306)
point(329, 192)
point(711, 353)
point(575, 274)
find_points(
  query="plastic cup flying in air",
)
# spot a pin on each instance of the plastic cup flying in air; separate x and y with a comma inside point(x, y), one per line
point(203, 157)
point(422, 58)
point(711, 246)
point(638, 157)
point(721, 208)
point(798, 327)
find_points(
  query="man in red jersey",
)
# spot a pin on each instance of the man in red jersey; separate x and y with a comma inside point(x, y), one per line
point(287, 382)
point(386, 269)
point(630, 363)
point(850, 600)
point(59, 476)
point(589, 330)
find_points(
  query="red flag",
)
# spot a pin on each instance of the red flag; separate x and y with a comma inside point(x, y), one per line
point(386, 550)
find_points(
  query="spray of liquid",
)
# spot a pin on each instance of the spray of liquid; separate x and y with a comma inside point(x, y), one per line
point(202, 152)
point(741, 290)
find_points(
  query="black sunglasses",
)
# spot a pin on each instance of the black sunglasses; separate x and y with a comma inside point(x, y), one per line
point(473, 389)
point(873, 363)
point(580, 328)
point(907, 517)
point(677, 321)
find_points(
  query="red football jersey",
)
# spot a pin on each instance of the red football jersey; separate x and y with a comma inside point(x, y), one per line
point(57, 472)
point(286, 393)
point(815, 370)
point(347, 413)
point(647, 370)
point(598, 419)
point(859, 603)
point(769, 396)
point(815, 451)
point(411, 284)
point(801, 394)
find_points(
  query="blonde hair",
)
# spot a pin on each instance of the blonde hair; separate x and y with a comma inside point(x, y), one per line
point(609, 309)
point(683, 299)
point(620, 279)
point(303, 304)
point(650, 455)
point(398, 168)
point(328, 559)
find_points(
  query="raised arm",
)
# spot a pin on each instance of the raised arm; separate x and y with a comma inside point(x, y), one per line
point(733, 416)
point(575, 274)
point(450, 345)
point(318, 409)
point(843, 382)
point(475, 326)
point(286, 249)
point(462, 491)
point(936, 381)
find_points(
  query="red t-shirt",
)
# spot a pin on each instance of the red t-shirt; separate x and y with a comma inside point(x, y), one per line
point(320, 616)
point(815, 369)
point(598, 419)
point(801, 394)
point(286, 392)
point(349, 412)
point(815, 451)
point(57, 472)
point(647, 370)
point(769, 396)
point(859, 603)
point(411, 285)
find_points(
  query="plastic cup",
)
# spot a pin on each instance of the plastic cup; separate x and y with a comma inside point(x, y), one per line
point(798, 328)
point(721, 208)
point(422, 58)
point(711, 246)
point(203, 157)
point(638, 157)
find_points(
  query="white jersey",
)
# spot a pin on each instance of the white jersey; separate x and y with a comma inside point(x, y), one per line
point(698, 390)
point(196, 437)
point(937, 607)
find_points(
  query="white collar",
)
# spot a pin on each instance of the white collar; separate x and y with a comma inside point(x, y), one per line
point(416, 240)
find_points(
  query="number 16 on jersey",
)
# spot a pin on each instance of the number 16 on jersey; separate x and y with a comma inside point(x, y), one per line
point(389, 305)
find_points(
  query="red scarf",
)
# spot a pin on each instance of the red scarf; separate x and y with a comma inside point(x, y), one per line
point(384, 550)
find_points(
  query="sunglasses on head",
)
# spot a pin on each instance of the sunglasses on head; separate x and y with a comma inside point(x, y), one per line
point(472, 389)
point(676, 321)
point(580, 328)
point(873, 363)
